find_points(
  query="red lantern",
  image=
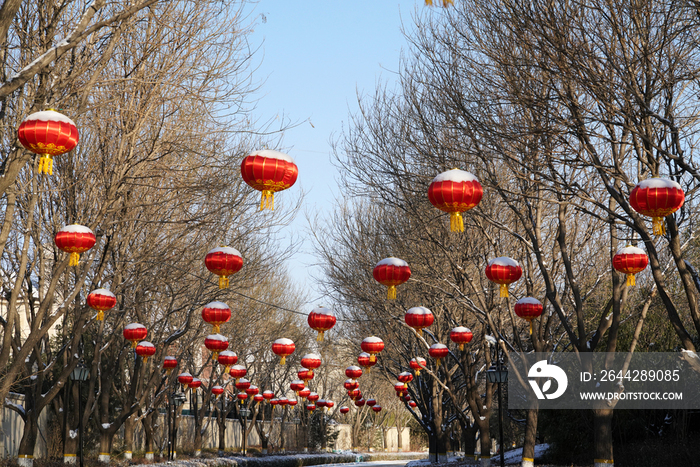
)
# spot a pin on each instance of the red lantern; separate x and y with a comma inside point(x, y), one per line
point(405, 377)
point(412, 404)
point(461, 335)
point(630, 260)
point(292, 402)
point(217, 390)
point(185, 379)
point(528, 308)
point(305, 375)
point(269, 171)
point(258, 398)
point(344, 410)
point(304, 393)
point(372, 345)
point(355, 394)
point(360, 403)
point(365, 361)
point(227, 358)
point(438, 351)
point(399, 388)
point(313, 397)
point(321, 320)
point(216, 314)
point(419, 317)
point(503, 271)
point(242, 396)
point(297, 385)
point(252, 390)
point(455, 191)
point(353, 372)
point(371, 402)
point(169, 363)
point(391, 272)
point(417, 364)
point(48, 134)
point(311, 361)
point(216, 343)
point(377, 408)
point(283, 348)
point(283, 401)
point(321, 403)
point(268, 395)
point(134, 333)
point(75, 239)
point(242, 384)
point(101, 300)
point(145, 349)
point(195, 384)
point(223, 261)
point(274, 402)
point(310, 407)
point(237, 371)
point(351, 384)
point(406, 397)
point(330, 404)
point(657, 198)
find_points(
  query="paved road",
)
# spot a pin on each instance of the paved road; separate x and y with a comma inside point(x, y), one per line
point(372, 464)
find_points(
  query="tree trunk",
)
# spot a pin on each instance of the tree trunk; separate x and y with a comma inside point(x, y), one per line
point(441, 445)
point(603, 447)
point(485, 446)
point(129, 425)
point(469, 442)
point(399, 443)
point(147, 423)
point(70, 446)
point(26, 445)
point(105, 446)
point(530, 438)
point(221, 421)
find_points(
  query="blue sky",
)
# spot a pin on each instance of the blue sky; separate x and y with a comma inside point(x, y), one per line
point(316, 56)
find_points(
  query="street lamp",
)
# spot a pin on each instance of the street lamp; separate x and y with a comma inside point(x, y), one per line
point(243, 412)
point(499, 374)
point(178, 399)
point(80, 373)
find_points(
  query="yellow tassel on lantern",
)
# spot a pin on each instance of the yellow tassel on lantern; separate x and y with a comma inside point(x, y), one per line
point(420, 332)
point(100, 316)
point(372, 358)
point(461, 346)
point(319, 338)
point(223, 282)
point(391, 293)
point(630, 280)
point(658, 225)
point(283, 361)
point(185, 386)
point(417, 372)
point(133, 344)
point(456, 222)
point(145, 359)
point(215, 355)
point(530, 327)
point(504, 290)
point(215, 328)
point(74, 259)
point(267, 200)
point(46, 164)
point(405, 385)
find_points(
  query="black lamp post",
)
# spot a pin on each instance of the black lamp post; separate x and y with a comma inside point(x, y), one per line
point(178, 399)
point(244, 412)
point(80, 373)
point(498, 374)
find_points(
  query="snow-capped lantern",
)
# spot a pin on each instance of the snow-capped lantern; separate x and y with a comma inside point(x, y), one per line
point(377, 408)
point(372, 345)
point(296, 386)
point(461, 335)
point(241, 396)
point(360, 403)
point(223, 261)
point(185, 379)
point(169, 364)
point(405, 378)
point(406, 397)
point(252, 391)
point(101, 300)
point(134, 333)
point(217, 390)
point(321, 320)
point(503, 271)
point(237, 371)
point(310, 361)
point(321, 403)
point(216, 314)
point(351, 384)
point(305, 375)
point(630, 260)
point(371, 402)
point(269, 171)
point(310, 407)
point(417, 363)
point(365, 361)
point(258, 398)
point(344, 410)
point(528, 308)
point(283, 348)
point(353, 372)
point(227, 359)
point(438, 352)
point(657, 198)
point(330, 404)
point(242, 384)
point(304, 393)
point(282, 401)
point(455, 191)
point(399, 388)
point(292, 402)
point(391, 272)
point(195, 384)
point(145, 349)
point(268, 395)
point(355, 394)
point(274, 402)
point(216, 343)
point(419, 317)
point(75, 239)
point(48, 134)
point(313, 397)
point(412, 404)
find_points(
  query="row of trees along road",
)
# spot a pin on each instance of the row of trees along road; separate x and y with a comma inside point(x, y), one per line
point(159, 91)
point(560, 109)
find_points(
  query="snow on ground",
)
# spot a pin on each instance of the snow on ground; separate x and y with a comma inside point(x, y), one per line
point(512, 457)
